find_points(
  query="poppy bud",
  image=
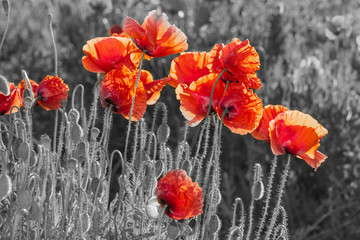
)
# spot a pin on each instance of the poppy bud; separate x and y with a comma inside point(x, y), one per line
point(4, 86)
point(6, 6)
point(163, 133)
point(24, 200)
point(5, 186)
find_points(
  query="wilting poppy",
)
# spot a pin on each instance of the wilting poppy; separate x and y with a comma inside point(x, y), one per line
point(188, 67)
point(270, 112)
point(243, 110)
point(118, 89)
point(158, 37)
point(183, 197)
point(7, 102)
point(22, 87)
point(51, 91)
point(195, 99)
point(240, 60)
point(297, 133)
point(104, 54)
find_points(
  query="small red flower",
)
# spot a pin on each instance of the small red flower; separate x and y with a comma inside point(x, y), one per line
point(299, 134)
point(52, 90)
point(118, 89)
point(188, 67)
point(241, 61)
point(7, 102)
point(183, 197)
point(104, 54)
point(115, 29)
point(195, 99)
point(244, 109)
point(270, 112)
point(21, 87)
point(157, 37)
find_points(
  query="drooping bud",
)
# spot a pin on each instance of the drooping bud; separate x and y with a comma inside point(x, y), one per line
point(258, 188)
point(94, 133)
point(173, 230)
point(5, 186)
point(163, 133)
point(6, 6)
point(214, 224)
point(4, 86)
point(187, 166)
point(85, 222)
point(24, 200)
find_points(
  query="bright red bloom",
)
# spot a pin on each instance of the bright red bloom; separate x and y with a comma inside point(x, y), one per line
point(244, 109)
point(52, 90)
point(118, 89)
point(241, 61)
point(195, 99)
point(158, 37)
point(183, 197)
point(270, 112)
point(299, 134)
point(21, 87)
point(104, 54)
point(7, 102)
point(188, 67)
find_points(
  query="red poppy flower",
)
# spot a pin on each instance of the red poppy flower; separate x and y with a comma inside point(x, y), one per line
point(188, 67)
point(183, 197)
point(118, 89)
point(244, 109)
point(270, 112)
point(157, 37)
point(195, 99)
point(52, 90)
point(7, 102)
point(152, 88)
point(104, 54)
point(299, 134)
point(21, 87)
point(241, 61)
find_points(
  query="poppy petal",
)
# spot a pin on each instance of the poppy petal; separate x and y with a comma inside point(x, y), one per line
point(296, 133)
point(183, 197)
point(117, 89)
point(244, 110)
point(158, 37)
point(270, 112)
point(316, 161)
point(195, 99)
point(52, 91)
point(188, 67)
point(11, 100)
point(104, 54)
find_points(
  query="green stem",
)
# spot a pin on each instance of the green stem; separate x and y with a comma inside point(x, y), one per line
point(279, 196)
point(267, 200)
point(132, 105)
point(212, 91)
point(53, 40)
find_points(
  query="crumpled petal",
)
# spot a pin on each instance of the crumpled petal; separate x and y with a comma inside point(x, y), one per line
point(183, 197)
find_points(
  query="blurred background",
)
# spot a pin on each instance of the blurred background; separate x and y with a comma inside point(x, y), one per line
point(310, 61)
